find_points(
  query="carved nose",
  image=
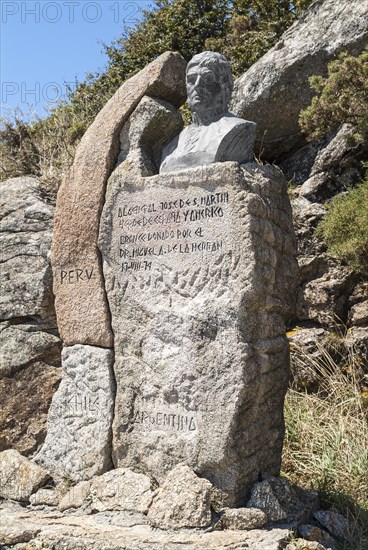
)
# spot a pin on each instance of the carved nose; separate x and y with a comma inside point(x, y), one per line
point(198, 82)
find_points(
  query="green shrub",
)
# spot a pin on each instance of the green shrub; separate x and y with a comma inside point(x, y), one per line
point(345, 227)
point(341, 97)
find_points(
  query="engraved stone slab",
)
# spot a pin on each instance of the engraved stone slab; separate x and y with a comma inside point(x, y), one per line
point(78, 441)
point(199, 268)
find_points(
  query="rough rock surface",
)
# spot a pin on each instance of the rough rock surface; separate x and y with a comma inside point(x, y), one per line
point(19, 477)
point(17, 534)
point(183, 500)
point(358, 314)
point(122, 489)
point(357, 343)
point(76, 497)
point(123, 530)
point(22, 345)
point(263, 497)
point(359, 293)
point(329, 293)
point(334, 522)
point(306, 216)
point(153, 123)
point(276, 88)
point(325, 167)
point(25, 241)
point(47, 497)
point(78, 441)
point(303, 544)
point(283, 502)
point(198, 297)
point(25, 401)
point(80, 301)
point(313, 533)
point(30, 349)
point(324, 300)
point(242, 518)
point(298, 166)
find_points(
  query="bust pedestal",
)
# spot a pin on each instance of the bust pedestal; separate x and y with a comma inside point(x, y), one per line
point(199, 266)
point(227, 139)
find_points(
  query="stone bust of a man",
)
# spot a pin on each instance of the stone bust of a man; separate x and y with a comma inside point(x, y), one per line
point(215, 135)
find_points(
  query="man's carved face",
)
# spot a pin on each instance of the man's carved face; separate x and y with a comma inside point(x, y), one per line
point(204, 89)
point(209, 83)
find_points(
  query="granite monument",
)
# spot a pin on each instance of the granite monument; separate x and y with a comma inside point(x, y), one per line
point(199, 269)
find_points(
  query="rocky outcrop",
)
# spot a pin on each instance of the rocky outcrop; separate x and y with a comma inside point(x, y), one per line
point(276, 88)
point(122, 530)
point(82, 311)
point(306, 216)
point(331, 296)
point(25, 400)
point(320, 170)
point(30, 347)
point(124, 507)
point(45, 497)
point(324, 300)
point(336, 524)
point(184, 512)
point(183, 500)
point(122, 489)
point(357, 344)
point(242, 518)
point(22, 345)
point(25, 242)
point(153, 123)
point(19, 477)
point(304, 544)
point(76, 497)
point(283, 502)
point(314, 533)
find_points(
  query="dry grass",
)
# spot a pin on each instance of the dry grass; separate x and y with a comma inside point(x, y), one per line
point(41, 147)
point(326, 443)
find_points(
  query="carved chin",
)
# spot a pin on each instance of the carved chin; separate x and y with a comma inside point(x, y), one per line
point(198, 106)
point(195, 102)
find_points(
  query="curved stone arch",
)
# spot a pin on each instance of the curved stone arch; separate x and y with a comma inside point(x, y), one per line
point(80, 301)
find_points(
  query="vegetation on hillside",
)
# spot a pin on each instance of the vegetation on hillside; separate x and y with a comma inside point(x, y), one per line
point(325, 445)
point(326, 431)
point(43, 148)
point(345, 227)
point(342, 97)
point(241, 29)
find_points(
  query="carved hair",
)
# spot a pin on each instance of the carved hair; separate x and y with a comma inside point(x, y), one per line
point(220, 67)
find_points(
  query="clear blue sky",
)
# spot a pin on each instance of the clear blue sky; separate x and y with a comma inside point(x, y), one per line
point(47, 43)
